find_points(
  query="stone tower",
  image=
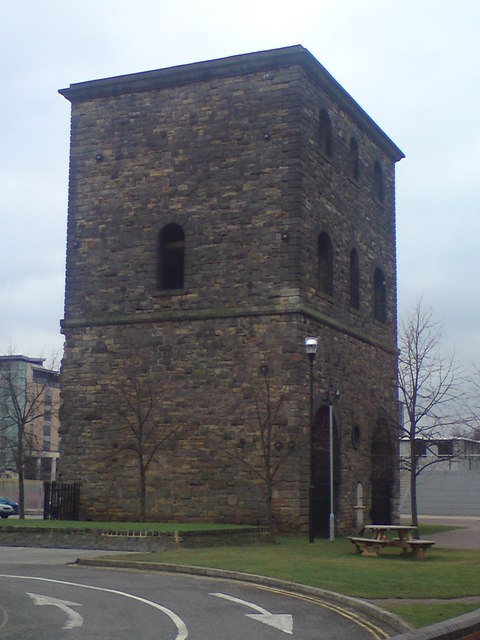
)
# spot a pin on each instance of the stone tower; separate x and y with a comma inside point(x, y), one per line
point(219, 213)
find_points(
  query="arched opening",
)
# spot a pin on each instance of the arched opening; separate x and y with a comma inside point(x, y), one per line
point(325, 133)
point(321, 470)
point(170, 257)
point(382, 475)
point(354, 280)
point(378, 181)
point(325, 264)
point(379, 296)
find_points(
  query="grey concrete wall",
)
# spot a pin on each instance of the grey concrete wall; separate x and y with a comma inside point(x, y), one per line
point(447, 489)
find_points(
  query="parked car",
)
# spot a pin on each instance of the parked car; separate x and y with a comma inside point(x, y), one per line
point(5, 510)
point(8, 507)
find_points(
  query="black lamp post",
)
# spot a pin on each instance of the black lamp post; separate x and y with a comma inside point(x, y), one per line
point(311, 349)
point(331, 525)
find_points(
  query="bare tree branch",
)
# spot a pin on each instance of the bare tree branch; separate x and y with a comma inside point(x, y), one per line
point(141, 432)
point(263, 448)
point(430, 389)
point(22, 405)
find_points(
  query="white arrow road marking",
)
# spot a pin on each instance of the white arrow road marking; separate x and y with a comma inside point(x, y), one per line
point(281, 621)
point(74, 618)
point(182, 632)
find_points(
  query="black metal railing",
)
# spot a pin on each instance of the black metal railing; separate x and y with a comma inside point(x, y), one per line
point(61, 501)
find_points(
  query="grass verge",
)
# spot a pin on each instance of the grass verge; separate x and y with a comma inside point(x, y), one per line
point(336, 566)
point(421, 615)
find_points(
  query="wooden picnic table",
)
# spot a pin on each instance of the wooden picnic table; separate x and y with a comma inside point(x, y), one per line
point(381, 531)
point(380, 536)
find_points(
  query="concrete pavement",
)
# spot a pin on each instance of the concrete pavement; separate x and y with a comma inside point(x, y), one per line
point(465, 536)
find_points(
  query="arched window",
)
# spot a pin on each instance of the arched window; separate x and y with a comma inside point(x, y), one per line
point(354, 161)
point(325, 264)
point(379, 296)
point(354, 280)
point(325, 133)
point(378, 181)
point(170, 257)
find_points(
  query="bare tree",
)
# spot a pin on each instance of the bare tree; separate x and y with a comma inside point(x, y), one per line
point(141, 432)
point(22, 404)
point(473, 396)
point(264, 446)
point(430, 390)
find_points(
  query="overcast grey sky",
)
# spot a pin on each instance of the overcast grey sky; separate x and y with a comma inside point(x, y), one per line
point(414, 66)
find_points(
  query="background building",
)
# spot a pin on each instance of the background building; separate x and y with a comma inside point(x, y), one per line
point(219, 213)
point(29, 404)
point(450, 486)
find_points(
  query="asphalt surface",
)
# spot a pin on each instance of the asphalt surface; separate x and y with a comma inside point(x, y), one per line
point(466, 536)
point(44, 597)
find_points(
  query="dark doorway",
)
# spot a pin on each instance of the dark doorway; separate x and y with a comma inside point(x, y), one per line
point(321, 471)
point(382, 475)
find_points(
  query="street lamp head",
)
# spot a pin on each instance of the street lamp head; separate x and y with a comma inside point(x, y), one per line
point(311, 346)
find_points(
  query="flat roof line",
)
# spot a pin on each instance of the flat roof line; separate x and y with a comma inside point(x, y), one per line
point(224, 67)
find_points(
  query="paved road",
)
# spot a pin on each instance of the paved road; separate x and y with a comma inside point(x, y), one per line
point(43, 598)
point(466, 536)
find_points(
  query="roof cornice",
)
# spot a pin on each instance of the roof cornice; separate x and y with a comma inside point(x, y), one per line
point(230, 66)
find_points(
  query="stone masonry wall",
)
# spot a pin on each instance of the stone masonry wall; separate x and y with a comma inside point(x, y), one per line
point(210, 395)
point(230, 152)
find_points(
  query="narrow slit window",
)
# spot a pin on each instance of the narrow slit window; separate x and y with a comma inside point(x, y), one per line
point(325, 264)
point(354, 280)
point(171, 257)
point(379, 296)
point(325, 133)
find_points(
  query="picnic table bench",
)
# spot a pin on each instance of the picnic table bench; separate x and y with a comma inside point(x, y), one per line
point(419, 547)
point(369, 546)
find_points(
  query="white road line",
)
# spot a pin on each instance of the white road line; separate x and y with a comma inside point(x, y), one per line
point(281, 621)
point(182, 632)
point(74, 618)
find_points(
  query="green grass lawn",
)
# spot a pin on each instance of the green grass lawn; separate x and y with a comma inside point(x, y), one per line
point(421, 615)
point(334, 566)
point(337, 567)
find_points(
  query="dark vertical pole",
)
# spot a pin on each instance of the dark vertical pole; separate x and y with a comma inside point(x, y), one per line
point(311, 526)
point(331, 526)
point(46, 500)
